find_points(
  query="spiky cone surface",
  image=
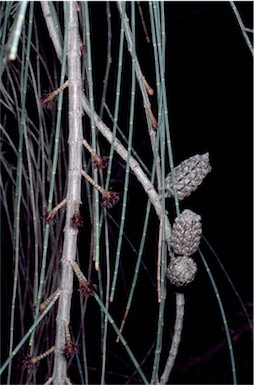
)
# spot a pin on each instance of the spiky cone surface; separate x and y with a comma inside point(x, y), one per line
point(181, 271)
point(186, 233)
point(189, 174)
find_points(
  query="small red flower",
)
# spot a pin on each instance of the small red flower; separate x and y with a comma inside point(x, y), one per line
point(30, 362)
point(49, 217)
point(87, 288)
point(77, 220)
point(110, 199)
point(70, 349)
point(100, 162)
point(47, 100)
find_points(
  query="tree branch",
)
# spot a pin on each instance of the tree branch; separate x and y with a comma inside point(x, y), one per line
point(73, 192)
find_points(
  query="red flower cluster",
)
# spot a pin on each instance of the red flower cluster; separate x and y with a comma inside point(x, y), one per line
point(77, 220)
point(30, 362)
point(110, 199)
point(70, 349)
point(87, 288)
point(100, 162)
point(47, 101)
point(49, 217)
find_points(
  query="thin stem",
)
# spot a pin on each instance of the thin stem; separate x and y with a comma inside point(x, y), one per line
point(45, 354)
point(92, 182)
point(53, 26)
point(48, 300)
point(107, 295)
point(229, 281)
point(117, 100)
point(143, 22)
point(241, 25)
point(180, 302)
point(130, 140)
point(94, 137)
point(134, 153)
point(109, 57)
point(223, 315)
point(16, 30)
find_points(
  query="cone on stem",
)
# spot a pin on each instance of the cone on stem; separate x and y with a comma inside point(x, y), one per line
point(181, 271)
point(189, 174)
point(186, 233)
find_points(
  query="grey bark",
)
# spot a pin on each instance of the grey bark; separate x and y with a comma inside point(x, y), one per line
point(73, 193)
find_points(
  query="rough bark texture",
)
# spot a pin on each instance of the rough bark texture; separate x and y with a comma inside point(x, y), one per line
point(73, 194)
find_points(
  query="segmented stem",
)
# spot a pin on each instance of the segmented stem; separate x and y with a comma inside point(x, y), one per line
point(117, 98)
point(148, 88)
point(16, 30)
point(45, 354)
point(109, 58)
point(242, 27)
point(48, 300)
point(67, 332)
point(143, 22)
point(126, 182)
point(61, 204)
point(88, 147)
point(93, 183)
point(59, 89)
point(77, 271)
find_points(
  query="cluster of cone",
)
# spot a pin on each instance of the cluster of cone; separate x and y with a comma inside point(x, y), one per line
point(187, 227)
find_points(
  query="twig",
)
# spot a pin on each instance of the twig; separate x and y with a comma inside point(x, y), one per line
point(143, 22)
point(176, 338)
point(48, 300)
point(241, 25)
point(53, 27)
point(109, 198)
